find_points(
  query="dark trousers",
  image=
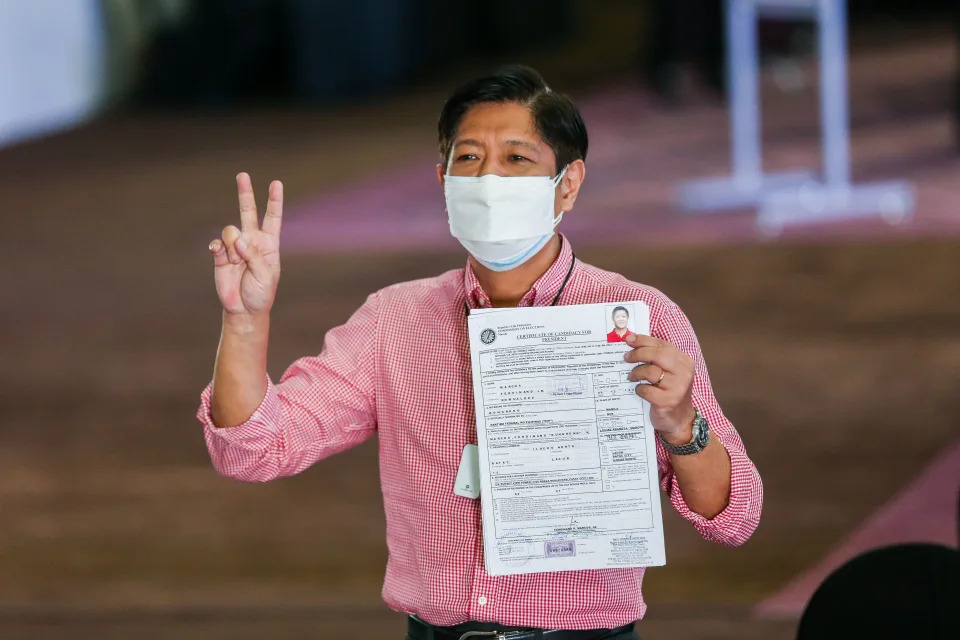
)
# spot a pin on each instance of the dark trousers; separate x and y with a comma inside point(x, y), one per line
point(628, 635)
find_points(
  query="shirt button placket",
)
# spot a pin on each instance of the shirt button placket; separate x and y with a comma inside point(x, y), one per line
point(482, 602)
point(484, 597)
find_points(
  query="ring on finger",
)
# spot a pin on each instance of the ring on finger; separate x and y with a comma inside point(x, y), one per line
point(660, 379)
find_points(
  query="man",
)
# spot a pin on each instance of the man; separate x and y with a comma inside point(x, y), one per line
point(620, 331)
point(512, 164)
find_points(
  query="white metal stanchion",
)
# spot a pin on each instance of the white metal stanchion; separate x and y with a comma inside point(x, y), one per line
point(748, 183)
point(796, 196)
point(834, 197)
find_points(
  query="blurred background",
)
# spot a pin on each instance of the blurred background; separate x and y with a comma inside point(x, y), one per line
point(834, 347)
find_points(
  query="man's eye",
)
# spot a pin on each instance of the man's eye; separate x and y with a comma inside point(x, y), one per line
point(518, 158)
point(466, 156)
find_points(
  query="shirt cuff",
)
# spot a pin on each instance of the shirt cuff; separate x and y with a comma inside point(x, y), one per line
point(735, 524)
point(264, 422)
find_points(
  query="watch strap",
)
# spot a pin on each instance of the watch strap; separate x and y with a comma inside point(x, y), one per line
point(698, 440)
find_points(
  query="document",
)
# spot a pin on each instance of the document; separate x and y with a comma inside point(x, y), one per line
point(568, 466)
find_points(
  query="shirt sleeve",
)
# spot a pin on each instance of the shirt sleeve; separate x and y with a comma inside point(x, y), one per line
point(322, 405)
point(737, 522)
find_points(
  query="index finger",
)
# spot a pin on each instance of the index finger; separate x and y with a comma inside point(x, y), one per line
point(274, 215)
point(640, 340)
point(652, 354)
point(248, 204)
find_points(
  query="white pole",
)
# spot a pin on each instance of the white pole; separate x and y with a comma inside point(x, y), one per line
point(743, 82)
point(833, 93)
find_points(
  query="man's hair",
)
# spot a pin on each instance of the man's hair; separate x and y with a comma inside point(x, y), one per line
point(624, 309)
point(557, 119)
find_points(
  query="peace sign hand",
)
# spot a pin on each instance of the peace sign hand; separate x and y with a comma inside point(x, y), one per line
point(247, 260)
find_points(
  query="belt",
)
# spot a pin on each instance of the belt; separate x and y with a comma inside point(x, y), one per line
point(420, 630)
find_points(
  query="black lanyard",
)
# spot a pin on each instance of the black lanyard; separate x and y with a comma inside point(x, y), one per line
point(556, 298)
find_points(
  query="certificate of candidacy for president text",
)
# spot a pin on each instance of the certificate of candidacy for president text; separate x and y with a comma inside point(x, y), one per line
point(567, 456)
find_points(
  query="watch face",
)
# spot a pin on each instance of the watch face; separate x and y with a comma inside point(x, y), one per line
point(698, 441)
point(701, 430)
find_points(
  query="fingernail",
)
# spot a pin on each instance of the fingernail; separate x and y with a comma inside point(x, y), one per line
point(241, 243)
point(212, 246)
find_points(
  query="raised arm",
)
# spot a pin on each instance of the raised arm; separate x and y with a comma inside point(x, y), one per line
point(256, 430)
point(246, 272)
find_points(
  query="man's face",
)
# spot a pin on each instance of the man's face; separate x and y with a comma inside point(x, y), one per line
point(620, 319)
point(500, 138)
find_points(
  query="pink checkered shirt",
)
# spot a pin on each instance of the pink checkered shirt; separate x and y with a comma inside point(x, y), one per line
point(400, 368)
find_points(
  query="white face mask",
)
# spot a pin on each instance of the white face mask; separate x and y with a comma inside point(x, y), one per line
point(502, 221)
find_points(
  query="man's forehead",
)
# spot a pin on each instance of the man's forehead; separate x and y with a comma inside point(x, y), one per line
point(508, 123)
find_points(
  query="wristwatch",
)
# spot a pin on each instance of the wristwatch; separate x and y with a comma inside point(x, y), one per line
point(698, 442)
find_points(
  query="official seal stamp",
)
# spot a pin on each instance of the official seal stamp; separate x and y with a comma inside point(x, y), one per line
point(560, 548)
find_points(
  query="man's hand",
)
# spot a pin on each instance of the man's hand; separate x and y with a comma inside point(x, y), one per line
point(247, 260)
point(670, 374)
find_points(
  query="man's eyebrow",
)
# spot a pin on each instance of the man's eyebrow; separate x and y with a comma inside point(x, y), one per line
point(513, 143)
point(523, 143)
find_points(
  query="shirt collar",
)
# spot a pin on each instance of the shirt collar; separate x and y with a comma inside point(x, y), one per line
point(541, 294)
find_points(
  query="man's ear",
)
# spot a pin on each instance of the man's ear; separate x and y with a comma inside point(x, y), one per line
point(569, 187)
point(440, 173)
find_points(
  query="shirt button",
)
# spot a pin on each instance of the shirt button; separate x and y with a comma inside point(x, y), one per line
point(482, 600)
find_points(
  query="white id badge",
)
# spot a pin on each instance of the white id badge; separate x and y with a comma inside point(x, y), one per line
point(468, 475)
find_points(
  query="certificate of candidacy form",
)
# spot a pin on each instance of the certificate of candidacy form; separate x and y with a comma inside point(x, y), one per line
point(568, 464)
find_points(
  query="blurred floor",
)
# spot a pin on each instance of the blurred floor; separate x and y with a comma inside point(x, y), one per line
point(373, 623)
point(926, 510)
point(837, 360)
